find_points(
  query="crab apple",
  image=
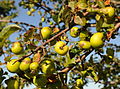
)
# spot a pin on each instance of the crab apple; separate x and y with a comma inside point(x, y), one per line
point(48, 67)
point(13, 66)
point(84, 44)
point(61, 48)
point(96, 40)
point(34, 66)
point(74, 32)
point(109, 11)
point(17, 48)
point(24, 65)
point(46, 32)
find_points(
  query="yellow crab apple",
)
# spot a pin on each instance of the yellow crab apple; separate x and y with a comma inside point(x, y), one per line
point(61, 48)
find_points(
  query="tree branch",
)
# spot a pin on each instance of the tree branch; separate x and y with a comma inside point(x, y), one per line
point(46, 42)
point(115, 2)
point(67, 69)
point(10, 21)
point(109, 34)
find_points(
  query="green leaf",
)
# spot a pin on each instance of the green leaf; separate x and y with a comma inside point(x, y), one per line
point(60, 14)
point(80, 5)
point(71, 4)
point(100, 3)
point(2, 24)
point(110, 52)
point(6, 32)
point(99, 24)
point(107, 25)
point(65, 15)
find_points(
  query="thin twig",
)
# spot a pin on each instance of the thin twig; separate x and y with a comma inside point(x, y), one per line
point(10, 21)
point(67, 69)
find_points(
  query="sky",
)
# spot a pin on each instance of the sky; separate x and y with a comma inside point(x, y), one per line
point(34, 20)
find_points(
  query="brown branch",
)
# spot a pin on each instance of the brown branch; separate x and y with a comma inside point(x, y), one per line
point(38, 48)
point(109, 34)
point(43, 6)
point(109, 82)
point(60, 33)
point(115, 2)
point(9, 21)
point(67, 69)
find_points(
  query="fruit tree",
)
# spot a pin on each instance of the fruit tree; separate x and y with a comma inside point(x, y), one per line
point(74, 43)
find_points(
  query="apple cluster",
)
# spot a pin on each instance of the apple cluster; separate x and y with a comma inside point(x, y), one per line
point(95, 41)
point(30, 68)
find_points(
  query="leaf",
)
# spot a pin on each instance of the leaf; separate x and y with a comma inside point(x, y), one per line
point(65, 15)
point(6, 32)
point(80, 5)
point(2, 24)
point(71, 4)
point(29, 34)
point(107, 25)
point(107, 2)
point(80, 21)
point(110, 52)
point(100, 3)
point(99, 24)
point(60, 14)
point(97, 17)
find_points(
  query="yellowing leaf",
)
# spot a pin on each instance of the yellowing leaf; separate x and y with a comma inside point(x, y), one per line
point(80, 21)
point(107, 2)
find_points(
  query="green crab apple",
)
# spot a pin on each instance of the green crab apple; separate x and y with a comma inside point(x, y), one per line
point(12, 83)
point(84, 44)
point(13, 66)
point(24, 65)
point(34, 66)
point(74, 32)
point(109, 11)
point(61, 48)
point(96, 40)
point(46, 32)
point(48, 67)
point(40, 80)
point(16, 48)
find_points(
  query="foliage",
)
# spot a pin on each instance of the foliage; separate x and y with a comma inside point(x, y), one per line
point(49, 64)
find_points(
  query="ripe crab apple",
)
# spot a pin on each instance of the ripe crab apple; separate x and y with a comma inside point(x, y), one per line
point(74, 32)
point(13, 66)
point(84, 44)
point(96, 40)
point(34, 66)
point(48, 67)
point(61, 48)
point(46, 32)
point(109, 11)
point(24, 65)
point(16, 48)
